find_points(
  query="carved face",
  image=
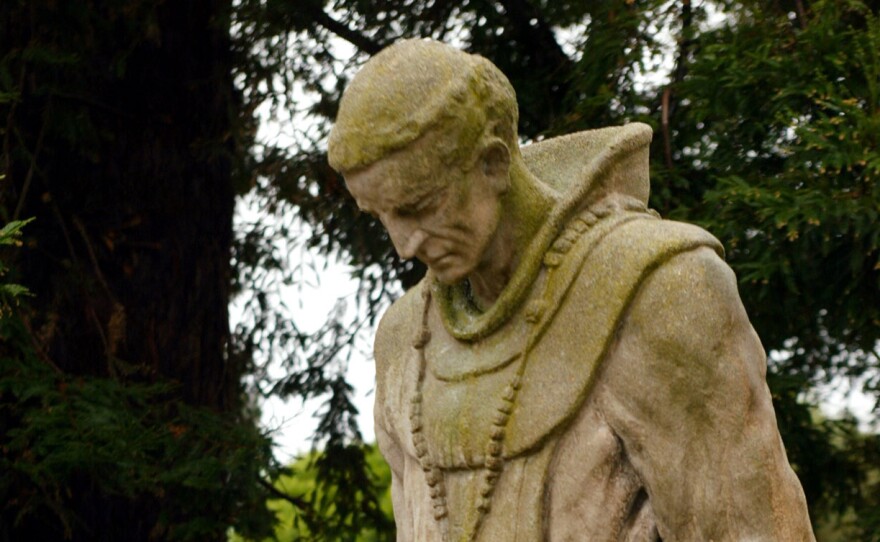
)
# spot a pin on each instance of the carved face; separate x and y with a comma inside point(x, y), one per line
point(447, 217)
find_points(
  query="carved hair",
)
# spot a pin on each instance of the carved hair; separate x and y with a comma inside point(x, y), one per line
point(416, 86)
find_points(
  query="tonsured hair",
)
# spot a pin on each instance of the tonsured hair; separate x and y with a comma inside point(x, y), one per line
point(416, 86)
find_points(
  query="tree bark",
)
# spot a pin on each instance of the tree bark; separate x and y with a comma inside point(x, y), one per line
point(121, 148)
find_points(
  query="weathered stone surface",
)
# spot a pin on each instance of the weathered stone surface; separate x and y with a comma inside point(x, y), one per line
point(572, 367)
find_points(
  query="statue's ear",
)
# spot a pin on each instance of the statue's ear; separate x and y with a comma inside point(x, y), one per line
point(495, 161)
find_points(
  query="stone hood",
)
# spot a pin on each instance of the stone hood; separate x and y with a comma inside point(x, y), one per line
point(587, 166)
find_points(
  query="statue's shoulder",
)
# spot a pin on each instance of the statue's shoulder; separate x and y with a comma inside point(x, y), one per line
point(676, 293)
point(619, 247)
point(677, 256)
point(398, 327)
point(662, 237)
point(645, 243)
point(691, 294)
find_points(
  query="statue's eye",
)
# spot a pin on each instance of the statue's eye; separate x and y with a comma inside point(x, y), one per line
point(415, 208)
point(425, 204)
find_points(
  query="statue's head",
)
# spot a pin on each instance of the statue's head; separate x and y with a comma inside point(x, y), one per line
point(417, 86)
point(424, 138)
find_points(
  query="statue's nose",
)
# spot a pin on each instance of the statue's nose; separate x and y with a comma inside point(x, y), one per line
point(406, 238)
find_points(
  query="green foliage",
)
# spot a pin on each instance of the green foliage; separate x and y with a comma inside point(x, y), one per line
point(781, 133)
point(120, 439)
point(854, 513)
point(9, 236)
point(302, 482)
point(127, 441)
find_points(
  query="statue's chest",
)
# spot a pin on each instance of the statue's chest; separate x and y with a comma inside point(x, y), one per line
point(467, 393)
point(458, 417)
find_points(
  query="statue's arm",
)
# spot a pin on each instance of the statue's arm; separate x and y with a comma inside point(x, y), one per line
point(389, 357)
point(394, 456)
point(684, 389)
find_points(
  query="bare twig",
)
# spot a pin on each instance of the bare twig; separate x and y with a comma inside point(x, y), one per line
point(298, 502)
point(30, 174)
point(38, 347)
point(342, 30)
point(801, 13)
point(668, 103)
point(664, 122)
point(91, 252)
point(10, 117)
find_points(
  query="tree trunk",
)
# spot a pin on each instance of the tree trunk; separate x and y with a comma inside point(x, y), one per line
point(120, 145)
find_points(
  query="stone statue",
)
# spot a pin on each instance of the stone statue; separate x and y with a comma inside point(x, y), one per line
point(572, 367)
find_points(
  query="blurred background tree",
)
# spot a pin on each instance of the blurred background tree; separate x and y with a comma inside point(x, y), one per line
point(130, 128)
point(122, 411)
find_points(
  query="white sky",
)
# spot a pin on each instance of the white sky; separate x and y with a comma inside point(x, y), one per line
point(321, 284)
point(294, 421)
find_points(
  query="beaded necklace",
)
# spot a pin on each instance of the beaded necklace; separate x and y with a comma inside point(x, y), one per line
point(494, 462)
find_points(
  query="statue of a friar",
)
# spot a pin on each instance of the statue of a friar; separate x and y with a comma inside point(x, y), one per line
point(572, 367)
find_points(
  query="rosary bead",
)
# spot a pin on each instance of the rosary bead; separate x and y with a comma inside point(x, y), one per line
point(494, 464)
point(494, 448)
point(509, 393)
